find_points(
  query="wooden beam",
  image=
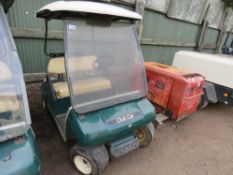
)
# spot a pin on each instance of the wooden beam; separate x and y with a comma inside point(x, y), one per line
point(35, 33)
point(220, 39)
point(54, 34)
point(158, 42)
point(140, 7)
point(126, 2)
point(201, 36)
point(34, 77)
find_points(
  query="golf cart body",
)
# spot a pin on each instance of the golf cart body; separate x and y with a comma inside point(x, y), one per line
point(97, 94)
point(18, 152)
point(217, 69)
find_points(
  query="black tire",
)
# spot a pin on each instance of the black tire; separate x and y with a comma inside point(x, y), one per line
point(95, 157)
point(145, 135)
point(203, 101)
point(45, 107)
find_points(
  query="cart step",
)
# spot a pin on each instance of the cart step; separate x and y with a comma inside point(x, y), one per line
point(160, 118)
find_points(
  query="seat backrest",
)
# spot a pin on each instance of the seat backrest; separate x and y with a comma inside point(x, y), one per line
point(85, 63)
point(9, 102)
point(91, 85)
point(5, 73)
point(56, 66)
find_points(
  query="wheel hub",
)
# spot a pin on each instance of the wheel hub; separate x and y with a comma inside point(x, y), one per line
point(141, 134)
point(82, 164)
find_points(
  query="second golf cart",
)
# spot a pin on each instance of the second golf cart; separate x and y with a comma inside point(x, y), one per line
point(18, 149)
point(95, 93)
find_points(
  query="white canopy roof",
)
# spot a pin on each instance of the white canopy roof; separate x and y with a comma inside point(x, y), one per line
point(88, 7)
point(216, 68)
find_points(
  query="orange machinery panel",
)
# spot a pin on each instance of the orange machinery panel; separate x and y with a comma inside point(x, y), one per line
point(174, 91)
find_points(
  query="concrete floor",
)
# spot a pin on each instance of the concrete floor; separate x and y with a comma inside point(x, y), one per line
point(199, 145)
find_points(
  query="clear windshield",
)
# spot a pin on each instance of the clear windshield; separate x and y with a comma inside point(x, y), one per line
point(14, 111)
point(104, 64)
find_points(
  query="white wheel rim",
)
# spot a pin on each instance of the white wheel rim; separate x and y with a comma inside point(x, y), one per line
point(82, 164)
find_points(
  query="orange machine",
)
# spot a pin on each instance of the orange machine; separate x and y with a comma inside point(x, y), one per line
point(174, 91)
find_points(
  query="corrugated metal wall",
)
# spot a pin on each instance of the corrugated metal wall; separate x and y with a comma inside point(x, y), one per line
point(23, 15)
point(159, 27)
point(156, 26)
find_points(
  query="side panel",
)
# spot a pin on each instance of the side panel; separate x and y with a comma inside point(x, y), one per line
point(56, 106)
point(193, 90)
point(159, 88)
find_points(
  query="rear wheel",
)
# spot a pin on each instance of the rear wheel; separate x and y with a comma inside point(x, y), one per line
point(90, 161)
point(145, 134)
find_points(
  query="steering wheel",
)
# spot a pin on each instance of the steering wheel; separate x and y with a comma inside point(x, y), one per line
point(103, 61)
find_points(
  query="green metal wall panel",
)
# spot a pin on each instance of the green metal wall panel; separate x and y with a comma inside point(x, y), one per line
point(211, 36)
point(23, 15)
point(160, 27)
point(160, 54)
point(32, 54)
point(163, 54)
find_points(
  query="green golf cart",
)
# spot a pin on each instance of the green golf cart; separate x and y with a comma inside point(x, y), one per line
point(18, 150)
point(95, 90)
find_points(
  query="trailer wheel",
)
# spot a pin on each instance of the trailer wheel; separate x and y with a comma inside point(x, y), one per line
point(145, 134)
point(90, 161)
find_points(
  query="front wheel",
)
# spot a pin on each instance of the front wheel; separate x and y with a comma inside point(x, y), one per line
point(90, 161)
point(145, 134)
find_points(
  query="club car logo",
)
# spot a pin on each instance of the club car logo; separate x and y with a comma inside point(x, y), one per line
point(123, 118)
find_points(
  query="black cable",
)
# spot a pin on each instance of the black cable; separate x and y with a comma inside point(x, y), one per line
point(53, 55)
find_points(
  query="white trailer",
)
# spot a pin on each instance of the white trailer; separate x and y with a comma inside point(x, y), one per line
point(217, 69)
